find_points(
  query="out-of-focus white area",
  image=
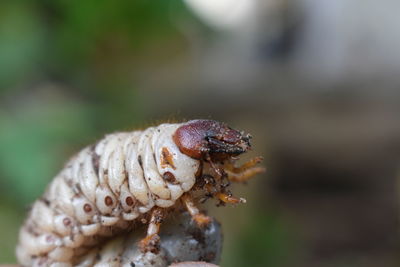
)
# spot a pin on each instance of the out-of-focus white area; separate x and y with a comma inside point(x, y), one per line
point(349, 37)
point(320, 40)
point(224, 14)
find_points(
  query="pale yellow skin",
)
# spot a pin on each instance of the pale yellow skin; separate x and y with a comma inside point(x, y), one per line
point(81, 205)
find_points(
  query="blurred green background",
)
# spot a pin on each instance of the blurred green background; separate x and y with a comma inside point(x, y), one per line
point(315, 83)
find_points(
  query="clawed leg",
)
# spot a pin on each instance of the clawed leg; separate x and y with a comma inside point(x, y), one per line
point(224, 197)
point(244, 172)
point(200, 218)
point(247, 165)
point(151, 242)
point(228, 198)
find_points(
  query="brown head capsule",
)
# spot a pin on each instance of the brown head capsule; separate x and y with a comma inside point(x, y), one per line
point(201, 138)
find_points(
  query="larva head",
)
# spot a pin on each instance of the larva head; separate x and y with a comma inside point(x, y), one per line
point(200, 139)
point(216, 146)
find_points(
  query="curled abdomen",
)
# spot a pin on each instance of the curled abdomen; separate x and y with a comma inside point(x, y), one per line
point(105, 189)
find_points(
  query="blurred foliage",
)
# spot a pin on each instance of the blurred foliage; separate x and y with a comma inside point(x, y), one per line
point(10, 219)
point(36, 139)
point(22, 39)
point(67, 39)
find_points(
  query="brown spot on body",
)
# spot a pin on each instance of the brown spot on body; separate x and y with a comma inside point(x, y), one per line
point(169, 177)
point(76, 188)
point(30, 229)
point(95, 162)
point(140, 161)
point(167, 159)
point(67, 221)
point(87, 208)
point(129, 201)
point(108, 201)
point(45, 201)
point(69, 182)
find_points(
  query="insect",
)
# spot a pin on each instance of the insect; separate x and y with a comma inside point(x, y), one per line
point(129, 178)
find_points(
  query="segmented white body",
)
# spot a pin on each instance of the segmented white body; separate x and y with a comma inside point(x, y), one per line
point(101, 191)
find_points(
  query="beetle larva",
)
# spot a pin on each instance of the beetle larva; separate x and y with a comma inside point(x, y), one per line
point(132, 177)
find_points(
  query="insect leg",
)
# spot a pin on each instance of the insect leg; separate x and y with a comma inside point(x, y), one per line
point(245, 166)
point(228, 198)
point(244, 172)
point(151, 242)
point(200, 218)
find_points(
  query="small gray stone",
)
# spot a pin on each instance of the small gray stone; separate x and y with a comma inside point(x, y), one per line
point(181, 241)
